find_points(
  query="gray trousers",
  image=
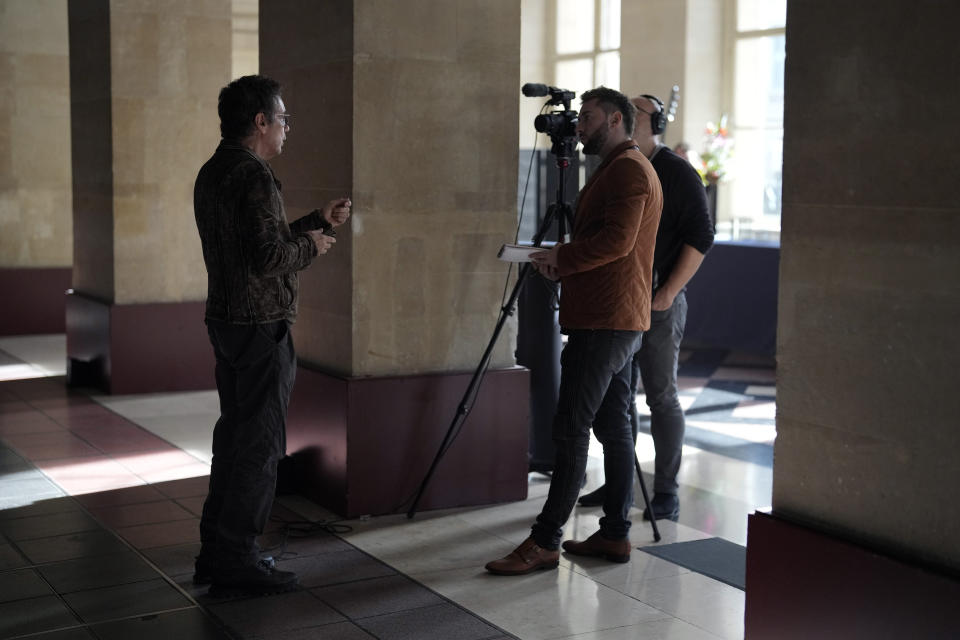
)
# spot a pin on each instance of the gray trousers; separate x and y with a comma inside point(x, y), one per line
point(655, 364)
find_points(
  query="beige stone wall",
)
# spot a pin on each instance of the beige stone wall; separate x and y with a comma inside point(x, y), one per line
point(246, 45)
point(869, 297)
point(308, 48)
point(535, 43)
point(702, 95)
point(91, 142)
point(35, 180)
point(168, 62)
point(676, 42)
point(653, 51)
point(435, 160)
point(410, 108)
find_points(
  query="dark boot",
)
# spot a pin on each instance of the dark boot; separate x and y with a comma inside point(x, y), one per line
point(595, 498)
point(256, 579)
point(666, 506)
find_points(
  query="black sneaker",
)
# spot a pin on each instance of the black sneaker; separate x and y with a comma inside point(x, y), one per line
point(666, 506)
point(203, 568)
point(202, 571)
point(259, 579)
point(595, 498)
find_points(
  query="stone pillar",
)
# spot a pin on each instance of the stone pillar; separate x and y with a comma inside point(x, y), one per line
point(36, 233)
point(666, 42)
point(245, 40)
point(864, 524)
point(144, 82)
point(411, 109)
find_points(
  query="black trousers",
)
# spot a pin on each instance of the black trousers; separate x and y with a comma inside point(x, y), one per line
point(255, 370)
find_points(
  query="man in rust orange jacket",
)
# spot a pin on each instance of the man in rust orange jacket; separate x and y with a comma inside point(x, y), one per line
point(605, 273)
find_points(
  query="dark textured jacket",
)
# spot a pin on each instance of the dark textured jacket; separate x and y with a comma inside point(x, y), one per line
point(251, 253)
point(606, 269)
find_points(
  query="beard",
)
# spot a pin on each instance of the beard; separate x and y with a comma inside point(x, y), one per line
point(596, 142)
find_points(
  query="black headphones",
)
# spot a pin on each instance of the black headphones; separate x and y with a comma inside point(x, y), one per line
point(658, 119)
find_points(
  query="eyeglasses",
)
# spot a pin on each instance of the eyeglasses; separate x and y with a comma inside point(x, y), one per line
point(282, 118)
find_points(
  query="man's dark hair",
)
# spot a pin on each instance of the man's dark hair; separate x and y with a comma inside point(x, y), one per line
point(241, 101)
point(611, 100)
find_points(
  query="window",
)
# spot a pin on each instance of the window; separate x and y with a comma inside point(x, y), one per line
point(587, 44)
point(756, 122)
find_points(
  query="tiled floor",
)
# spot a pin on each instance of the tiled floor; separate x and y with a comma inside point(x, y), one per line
point(100, 496)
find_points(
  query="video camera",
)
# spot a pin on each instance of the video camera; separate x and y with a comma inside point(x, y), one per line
point(561, 126)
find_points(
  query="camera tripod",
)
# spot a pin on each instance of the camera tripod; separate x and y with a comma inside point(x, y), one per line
point(562, 213)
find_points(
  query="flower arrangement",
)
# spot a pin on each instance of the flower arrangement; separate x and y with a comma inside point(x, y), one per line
point(717, 150)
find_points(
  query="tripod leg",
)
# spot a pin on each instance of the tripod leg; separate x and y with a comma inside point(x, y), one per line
point(473, 388)
point(646, 500)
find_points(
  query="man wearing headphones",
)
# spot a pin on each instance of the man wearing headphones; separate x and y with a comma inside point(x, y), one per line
point(684, 236)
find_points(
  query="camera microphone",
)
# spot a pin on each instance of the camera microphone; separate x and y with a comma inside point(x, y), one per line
point(535, 90)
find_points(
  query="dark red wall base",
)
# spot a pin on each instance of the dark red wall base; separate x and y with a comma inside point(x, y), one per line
point(803, 584)
point(137, 348)
point(362, 446)
point(357, 445)
point(33, 300)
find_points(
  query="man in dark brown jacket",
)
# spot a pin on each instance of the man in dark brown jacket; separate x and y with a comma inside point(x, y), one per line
point(252, 257)
point(605, 274)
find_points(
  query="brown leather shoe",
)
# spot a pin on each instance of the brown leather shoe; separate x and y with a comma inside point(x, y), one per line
point(596, 545)
point(526, 558)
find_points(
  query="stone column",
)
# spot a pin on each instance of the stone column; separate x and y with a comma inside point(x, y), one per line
point(864, 524)
point(144, 81)
point(36, 232)
point(411, 109)
point(668, 42)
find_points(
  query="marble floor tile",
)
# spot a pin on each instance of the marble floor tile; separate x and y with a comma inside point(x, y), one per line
point(46, 526)
point(335, 631)
point(755, 409)
point(92, 474)
point(117, 497)
point(134, 480)
point(160, 466)
point(46, 353)
point(23, 584)
point(281, 613)
point(185, 487)
point(761, 390)
point(335, 568)
point(745, 374)
point(142, 513)
point(162, 534)
point(50, 445)
point(134, 599)
point(84, 544)
point(696, 599)
point(27, 422)
point(33, 616)
point(184, 624)
point(10, 558)
point(438, 621)
point(545, 604)
point(377, 596)
point(193, 433)
point(91, 573)
point(667, 629)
